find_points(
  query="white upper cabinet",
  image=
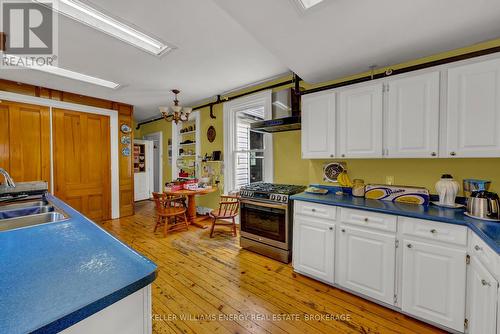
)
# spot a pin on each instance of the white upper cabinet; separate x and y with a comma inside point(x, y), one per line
point(360, 122)
point(473, 115)
point(412, 129)
point(318, 125)
point(433, 283)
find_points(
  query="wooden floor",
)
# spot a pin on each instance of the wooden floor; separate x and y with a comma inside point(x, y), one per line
point(212, 286)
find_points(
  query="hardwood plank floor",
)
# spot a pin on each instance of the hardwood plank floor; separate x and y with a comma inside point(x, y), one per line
point(212, 286)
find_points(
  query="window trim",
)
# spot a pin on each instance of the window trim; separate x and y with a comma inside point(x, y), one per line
point(230, 108)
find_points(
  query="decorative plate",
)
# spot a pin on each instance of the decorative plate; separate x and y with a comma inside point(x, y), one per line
point(211, 133)
point(125, 140)
point(125, 128)
point(332, 170)
point(126, 151)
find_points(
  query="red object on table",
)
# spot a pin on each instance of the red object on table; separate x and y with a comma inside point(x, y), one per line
point(191, 210)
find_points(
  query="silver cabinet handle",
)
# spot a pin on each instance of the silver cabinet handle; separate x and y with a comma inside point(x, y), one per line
point(409, 246)
point(477, 248)
point(453, 153)
point(313, 210)
point(343, 155)
point(366, 220)
point(433, 231)
point(331, 155)
point(343, 230)
point(433, 154)
point(330, 228)
point(485, 282)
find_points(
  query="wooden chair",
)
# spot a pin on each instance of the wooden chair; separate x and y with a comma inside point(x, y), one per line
point(168, 207)
point(228, 209)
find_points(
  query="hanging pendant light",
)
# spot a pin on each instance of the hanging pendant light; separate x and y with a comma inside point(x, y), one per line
point(176, 112)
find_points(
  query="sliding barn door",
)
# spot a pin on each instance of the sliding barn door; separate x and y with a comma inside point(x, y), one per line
point(25, 141)
point(82, 162)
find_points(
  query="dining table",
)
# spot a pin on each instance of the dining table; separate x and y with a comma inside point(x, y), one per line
point(191, 207)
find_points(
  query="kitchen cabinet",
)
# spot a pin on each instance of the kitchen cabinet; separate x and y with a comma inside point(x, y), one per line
point(473, 113)
point(412, 124)
point(360, 122)
point(318, 125)
point(313, 247)
point(365, 262)
point(433, 282)
point(482, 298)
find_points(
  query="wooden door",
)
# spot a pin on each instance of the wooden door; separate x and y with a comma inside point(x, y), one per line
point(366, 262)
point(473, 118)
point(313, 252)
point(25, 141)
point(482, 294)
point(433, 283)
point(360, 121)
point(82, 162)
point(413, 117)
point(318, 125)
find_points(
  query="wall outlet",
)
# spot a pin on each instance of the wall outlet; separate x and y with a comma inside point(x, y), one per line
point(389, 180)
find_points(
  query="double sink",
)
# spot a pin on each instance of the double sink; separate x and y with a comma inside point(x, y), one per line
point(25, 213)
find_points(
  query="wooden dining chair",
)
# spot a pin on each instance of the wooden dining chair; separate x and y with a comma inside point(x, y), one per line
point(170, 208)
point(228, 209)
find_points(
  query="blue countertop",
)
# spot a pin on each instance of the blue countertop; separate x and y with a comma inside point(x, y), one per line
point(486, 230)
point(56, 274)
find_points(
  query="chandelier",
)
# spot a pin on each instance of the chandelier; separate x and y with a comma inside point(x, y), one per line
point(176, 112)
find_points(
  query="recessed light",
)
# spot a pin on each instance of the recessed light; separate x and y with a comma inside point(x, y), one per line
point(97, 19)
point(306, 4)
point(20, 62)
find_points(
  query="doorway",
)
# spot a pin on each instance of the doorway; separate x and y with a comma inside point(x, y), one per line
point(157, 139)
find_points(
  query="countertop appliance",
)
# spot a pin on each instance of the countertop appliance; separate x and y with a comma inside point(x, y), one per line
point(483, 205)
point(266, 219)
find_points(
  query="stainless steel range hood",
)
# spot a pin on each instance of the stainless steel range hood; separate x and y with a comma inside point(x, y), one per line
point(286, 113)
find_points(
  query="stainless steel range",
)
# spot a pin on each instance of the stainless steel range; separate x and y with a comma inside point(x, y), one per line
point(266, 219)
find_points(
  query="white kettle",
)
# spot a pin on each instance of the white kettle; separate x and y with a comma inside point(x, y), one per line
point(447, 189)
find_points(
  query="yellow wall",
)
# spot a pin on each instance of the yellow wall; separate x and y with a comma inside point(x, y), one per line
point(290, 168)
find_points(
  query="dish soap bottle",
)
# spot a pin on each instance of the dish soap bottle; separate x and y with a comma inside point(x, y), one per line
point(447, 189)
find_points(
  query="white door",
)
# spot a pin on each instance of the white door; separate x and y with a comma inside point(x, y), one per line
point(413, 117)
point(366, 262)
point(433, 283)
point(313, 248)
point(318, 125)
point(481, 299)
point(144, 181)
point(473, 117)
point(360, 122)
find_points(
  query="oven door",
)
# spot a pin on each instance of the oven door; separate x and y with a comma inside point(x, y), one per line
point(265, 222)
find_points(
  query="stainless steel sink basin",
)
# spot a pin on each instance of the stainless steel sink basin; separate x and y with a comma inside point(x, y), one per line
point(24, 204)
point(30, 220)
point(24, 209)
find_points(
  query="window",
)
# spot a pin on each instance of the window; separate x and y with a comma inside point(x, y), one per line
point(247, 154)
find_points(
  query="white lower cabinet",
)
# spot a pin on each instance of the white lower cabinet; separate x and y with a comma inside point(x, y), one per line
point(482, 299)
point(366, 262)
point(313, 247)
point(433, 283)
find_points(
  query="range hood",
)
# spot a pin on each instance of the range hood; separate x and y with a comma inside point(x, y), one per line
point(286, 113)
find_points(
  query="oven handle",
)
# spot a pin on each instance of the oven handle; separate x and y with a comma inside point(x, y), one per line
point(267, 205)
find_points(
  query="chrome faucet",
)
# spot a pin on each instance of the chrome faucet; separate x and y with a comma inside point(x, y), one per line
point(9, 182)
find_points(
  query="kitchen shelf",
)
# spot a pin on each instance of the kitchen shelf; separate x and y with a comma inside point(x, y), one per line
point(187, 133)
point(188, 144)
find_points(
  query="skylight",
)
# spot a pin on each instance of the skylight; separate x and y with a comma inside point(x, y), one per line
point(18, 61)
point(96, 19)
point(306, 4)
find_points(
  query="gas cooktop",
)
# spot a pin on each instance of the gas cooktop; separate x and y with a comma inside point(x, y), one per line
point(270, 192)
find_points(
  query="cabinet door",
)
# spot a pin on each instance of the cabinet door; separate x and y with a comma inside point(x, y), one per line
point(366, 262)
point(318, 125)
point(433, 283)
point(481, 299)
point(313, 248)
point(361, 122)
point(473, 117)
point(413, 117)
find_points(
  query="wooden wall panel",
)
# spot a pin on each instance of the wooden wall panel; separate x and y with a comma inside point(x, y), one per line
point(4, 138)
point(126, 178)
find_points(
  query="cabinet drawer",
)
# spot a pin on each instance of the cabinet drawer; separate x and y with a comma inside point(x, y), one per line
point(488, 257)
point(427, 229)
point(374, 220)
point(315, 210)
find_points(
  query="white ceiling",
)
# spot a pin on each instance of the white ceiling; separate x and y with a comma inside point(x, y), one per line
point(344, 37)
point(214, 54)
point(225, 44)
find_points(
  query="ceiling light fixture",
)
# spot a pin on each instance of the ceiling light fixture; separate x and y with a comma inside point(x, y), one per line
point(306, 4)
point(97, 19)
point(175, 113)
point(18, 61)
